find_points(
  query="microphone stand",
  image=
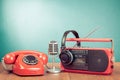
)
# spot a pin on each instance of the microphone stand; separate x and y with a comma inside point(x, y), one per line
point(54, 69)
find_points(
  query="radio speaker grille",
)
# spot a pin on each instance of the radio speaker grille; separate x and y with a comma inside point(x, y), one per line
point(98, 60)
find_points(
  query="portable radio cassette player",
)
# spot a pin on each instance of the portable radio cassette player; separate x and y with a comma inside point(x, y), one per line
point(86, 60)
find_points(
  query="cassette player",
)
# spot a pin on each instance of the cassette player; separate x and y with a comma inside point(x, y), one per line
point(86, 60)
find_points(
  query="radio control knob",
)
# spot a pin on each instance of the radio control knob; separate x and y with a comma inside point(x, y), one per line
point(112, 66)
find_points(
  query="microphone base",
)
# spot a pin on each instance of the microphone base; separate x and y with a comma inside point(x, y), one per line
point(54, 70)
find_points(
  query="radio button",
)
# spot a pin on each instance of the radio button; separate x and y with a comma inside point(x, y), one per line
point(112, 66)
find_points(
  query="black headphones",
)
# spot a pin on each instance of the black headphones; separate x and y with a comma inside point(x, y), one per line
point(66, 56)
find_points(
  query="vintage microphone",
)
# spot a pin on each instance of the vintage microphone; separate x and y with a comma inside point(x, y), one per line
point(53, 50)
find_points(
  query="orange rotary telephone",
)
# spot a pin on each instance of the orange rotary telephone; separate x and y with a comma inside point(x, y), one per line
point(25, 62)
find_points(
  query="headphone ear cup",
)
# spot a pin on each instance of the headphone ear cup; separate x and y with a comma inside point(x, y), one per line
point(66, 57)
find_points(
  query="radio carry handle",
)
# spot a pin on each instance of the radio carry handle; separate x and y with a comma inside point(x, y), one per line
point(92, 40)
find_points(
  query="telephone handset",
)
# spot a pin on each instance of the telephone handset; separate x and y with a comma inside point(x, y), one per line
point(25, 62)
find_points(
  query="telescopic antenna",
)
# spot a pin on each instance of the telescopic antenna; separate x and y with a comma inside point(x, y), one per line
point(90, 33)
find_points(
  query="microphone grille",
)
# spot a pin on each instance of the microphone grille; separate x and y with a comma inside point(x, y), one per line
point(53, 47)
point(56, 47)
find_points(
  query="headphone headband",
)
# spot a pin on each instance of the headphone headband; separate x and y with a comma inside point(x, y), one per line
point(65, 36)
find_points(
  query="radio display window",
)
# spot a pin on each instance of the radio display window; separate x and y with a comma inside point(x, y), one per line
point(80, 61)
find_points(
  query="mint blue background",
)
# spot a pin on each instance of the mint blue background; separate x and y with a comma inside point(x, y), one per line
point(31, 24)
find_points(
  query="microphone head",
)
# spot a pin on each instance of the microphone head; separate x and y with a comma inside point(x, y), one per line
point(53, 48)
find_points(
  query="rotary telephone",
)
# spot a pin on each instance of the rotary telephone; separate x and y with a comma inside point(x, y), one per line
point(25, 62)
